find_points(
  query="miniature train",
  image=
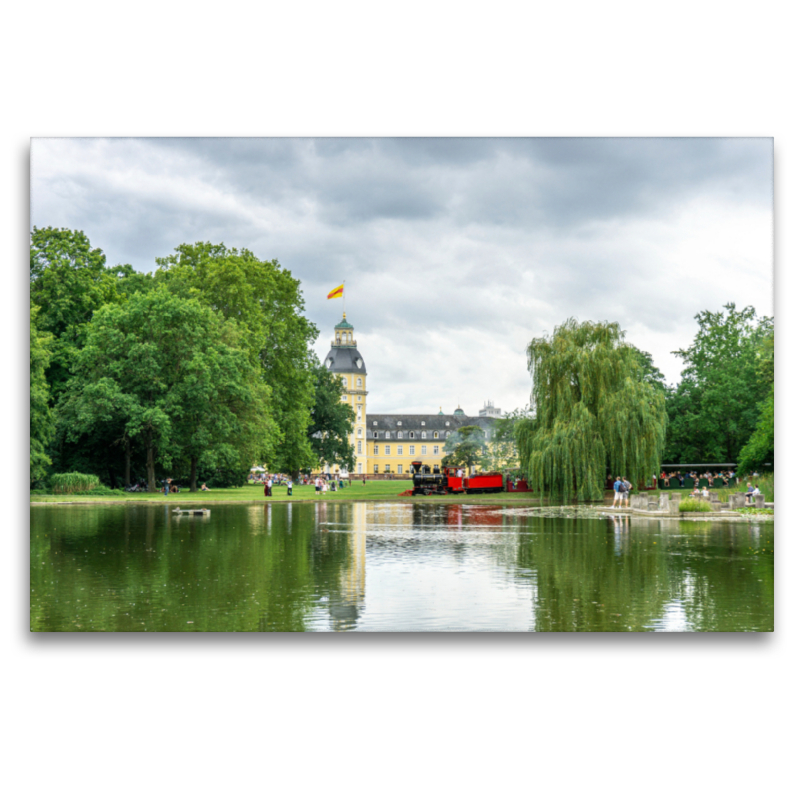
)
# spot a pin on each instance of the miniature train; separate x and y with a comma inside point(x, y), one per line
point(447, 481)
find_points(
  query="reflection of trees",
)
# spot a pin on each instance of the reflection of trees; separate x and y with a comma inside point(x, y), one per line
point(140, 568)
point(609, 575)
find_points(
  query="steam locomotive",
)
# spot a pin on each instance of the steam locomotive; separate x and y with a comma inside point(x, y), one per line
point(447, 481)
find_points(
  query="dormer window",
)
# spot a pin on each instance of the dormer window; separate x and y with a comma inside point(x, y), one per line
point(399, 423)
point(422, 423)
point(399, 434)
point(374, 422)
point(448, 424)
point(436, 434)
point(424, 435)
point(411, 435)
point(359, 364)
point(388, 435)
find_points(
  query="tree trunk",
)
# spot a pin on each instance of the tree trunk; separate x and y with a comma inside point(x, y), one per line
point(193, 474)
point(127, 464)
point(151, 466)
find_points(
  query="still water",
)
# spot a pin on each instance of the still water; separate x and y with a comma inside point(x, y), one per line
point(394, 567)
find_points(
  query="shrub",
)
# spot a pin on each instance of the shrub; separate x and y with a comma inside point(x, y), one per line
point(72, 482)
point(691, 504)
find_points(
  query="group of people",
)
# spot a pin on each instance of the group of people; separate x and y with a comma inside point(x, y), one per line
point(269, 483)
point(622, 491)
point(688, 479)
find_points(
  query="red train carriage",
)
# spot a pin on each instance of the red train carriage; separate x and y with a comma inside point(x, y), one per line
point(447, 481)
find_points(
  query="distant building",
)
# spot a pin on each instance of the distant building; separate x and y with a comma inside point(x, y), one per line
point(345, 360)
point(388, 443)
point(489, 410)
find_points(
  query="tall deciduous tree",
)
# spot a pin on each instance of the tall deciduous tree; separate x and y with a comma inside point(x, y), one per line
point(593, 409)
point(170, 374)
point(69, 282)
point(266, 301)
point(716, 406)
point(760, 448)
point(41, 415)
point(466, 446)
point(331, 421)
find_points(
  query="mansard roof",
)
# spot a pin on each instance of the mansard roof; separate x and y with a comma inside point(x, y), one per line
point(432, 422)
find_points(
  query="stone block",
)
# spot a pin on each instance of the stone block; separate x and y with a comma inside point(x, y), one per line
point(716, 506)
point(674, 505)
point(759, 498)
point(737, 500)
point(713, 497)
point(663, 502)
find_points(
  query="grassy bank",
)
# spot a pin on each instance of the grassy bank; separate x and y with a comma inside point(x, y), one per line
point(380, 491)
point(766, 483)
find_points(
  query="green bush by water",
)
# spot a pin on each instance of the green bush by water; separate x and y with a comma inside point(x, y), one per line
point(690, 504)
point(73, 482)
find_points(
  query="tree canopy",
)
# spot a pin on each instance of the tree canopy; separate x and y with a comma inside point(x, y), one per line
point(593, 409)
point(266, 301)
point(331, 421)
point(169, 374)
point(715, 408)
point(466, 446)
point(41, 415)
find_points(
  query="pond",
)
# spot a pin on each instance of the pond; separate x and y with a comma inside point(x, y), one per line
point(394, 567)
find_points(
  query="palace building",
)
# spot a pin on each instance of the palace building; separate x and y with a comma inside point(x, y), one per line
point(388, 443)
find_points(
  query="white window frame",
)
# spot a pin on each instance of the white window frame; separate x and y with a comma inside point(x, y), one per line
point(387, 450)
point(424, 450)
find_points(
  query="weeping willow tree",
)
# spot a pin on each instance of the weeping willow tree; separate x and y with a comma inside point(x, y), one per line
point(593, 410)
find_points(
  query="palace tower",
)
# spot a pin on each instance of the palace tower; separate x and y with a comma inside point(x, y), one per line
point(345, 360)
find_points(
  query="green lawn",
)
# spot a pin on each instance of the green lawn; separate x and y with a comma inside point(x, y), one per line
point(384, 491)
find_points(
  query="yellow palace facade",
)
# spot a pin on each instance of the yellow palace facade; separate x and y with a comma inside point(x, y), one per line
point(388, 443)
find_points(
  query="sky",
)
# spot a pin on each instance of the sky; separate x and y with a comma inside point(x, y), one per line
point(455, 252)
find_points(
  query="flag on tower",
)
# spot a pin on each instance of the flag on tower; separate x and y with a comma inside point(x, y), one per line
point(337, 292)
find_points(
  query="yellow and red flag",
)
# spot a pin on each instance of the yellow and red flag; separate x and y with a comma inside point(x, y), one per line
point(337, 292)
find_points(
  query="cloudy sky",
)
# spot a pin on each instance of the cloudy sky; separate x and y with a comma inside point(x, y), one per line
point(455, 252)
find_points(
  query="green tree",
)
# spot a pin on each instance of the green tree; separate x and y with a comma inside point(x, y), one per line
point(760, 447)
point(69, 282)
point(716, 406)
point(41, 415)
point(169, 373)
point(592, 410)
point(265, 300)
point(467, 446)
point(501, 453)
point(331, 421)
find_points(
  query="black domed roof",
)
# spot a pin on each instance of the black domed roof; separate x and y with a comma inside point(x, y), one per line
point(345, 359)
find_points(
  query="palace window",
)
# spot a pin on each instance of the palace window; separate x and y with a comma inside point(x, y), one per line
point(387, 468)
point(387, 450)
point(388, 435)
point(435, 449)
point(411, 435)
point(448, 424)
point(359, 448)
point(375, 450)
point(399, 469)
point(360, 432)
point(399, 449)
point(344, 398)
point(412, 450)
point(375, 469)
point(424, 450)
point(360, 467)
point(436, 434)
point(358, 382)
point(424, 435)
point(399, 434)
point(344, 382)
point(422, 423)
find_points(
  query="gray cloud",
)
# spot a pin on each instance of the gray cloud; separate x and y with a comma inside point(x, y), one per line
point(455, 251)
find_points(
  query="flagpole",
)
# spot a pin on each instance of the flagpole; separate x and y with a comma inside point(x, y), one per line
point(344, 310)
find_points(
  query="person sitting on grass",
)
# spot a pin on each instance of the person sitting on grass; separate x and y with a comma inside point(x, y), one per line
point(204, 488)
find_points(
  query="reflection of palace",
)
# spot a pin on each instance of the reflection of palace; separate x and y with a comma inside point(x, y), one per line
point(347, 603)
point(388, 443)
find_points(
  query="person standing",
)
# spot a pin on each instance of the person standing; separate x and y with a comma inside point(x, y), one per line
point(266, 490)
point(289, 487)
point(269, 486)
point(626, 491)
point(617, 493)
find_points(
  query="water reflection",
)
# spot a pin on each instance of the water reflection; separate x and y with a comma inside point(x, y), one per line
point(344, 567)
